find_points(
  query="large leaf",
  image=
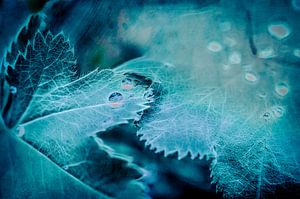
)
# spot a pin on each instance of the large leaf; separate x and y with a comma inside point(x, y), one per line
point(59, 113)
point(224, 103)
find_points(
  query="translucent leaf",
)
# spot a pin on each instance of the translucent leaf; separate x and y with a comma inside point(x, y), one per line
point(59, 113)
point(222, 102)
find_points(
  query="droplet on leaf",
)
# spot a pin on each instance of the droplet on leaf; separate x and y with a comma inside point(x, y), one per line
point(115, 99)
point(282, 89)
point(127, 84)
point(214, 46)
point(266, 116)
point(250, 76)
point(21, 131)
point(279, 30)
point(12, 89)
point(277, 111)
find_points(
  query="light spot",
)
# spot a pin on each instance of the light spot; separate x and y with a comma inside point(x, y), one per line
point(12, 90)
point(277, 111)
point(235, 58)
point(127, 84)
point(214, 46)
point(279, 30)
point(115, 99)
point(21, 131)
point(250, 76)
point(296, 52)
point(266, 53)
point(281, 89)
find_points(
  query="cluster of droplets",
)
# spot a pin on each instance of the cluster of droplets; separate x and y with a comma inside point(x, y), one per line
point(278, 31)
point(116, 98)
point(273, 113)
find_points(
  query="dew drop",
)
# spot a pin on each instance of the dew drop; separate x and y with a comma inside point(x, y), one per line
point(115, 99)
point(251, 77)
point(279, 30)
point(296, 52)
point(235, 58)
point(21, 131)
point(214, 46)
point(266, 116)
point(127, 84)
point(282, 89)
point(277, 111)
point(12, 90)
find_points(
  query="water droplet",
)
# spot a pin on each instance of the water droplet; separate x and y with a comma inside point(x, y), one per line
point(250, 76)
point(266, 116)
point(21, 131)
point(127, 84)
point(214, 46)
point(282, 89)
point(115, 99)
point(12, 90)
point(279, 30)
point(277, 111)
point(296, 52)
point(266, 53)
point(235, 58)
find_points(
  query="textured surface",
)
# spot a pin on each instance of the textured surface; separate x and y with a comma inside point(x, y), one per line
point(60, 115)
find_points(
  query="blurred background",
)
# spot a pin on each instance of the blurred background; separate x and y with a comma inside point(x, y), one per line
point(107, 33)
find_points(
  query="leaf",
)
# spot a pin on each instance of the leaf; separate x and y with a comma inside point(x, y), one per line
point(225, 104)
point(25, 172)
point(60, 113)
